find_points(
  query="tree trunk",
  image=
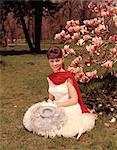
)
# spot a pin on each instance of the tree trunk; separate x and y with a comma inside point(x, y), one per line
point(38, 5)
point(1, 25)
point(32, 49)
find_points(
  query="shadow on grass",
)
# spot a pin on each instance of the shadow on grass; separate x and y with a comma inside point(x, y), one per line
point(22, 52)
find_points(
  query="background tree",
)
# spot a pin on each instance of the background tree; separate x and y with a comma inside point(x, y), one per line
point(22, 8)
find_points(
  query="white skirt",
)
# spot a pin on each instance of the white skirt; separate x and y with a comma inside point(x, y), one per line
point(75, 124)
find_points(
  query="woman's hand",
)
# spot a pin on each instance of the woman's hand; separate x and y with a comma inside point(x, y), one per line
point(49, 101)
point(58, 104)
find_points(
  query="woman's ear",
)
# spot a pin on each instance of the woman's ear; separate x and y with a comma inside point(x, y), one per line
point(63, 65)
point(63, 59)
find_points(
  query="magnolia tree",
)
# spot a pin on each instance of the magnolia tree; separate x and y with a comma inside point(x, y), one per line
point(97, 44)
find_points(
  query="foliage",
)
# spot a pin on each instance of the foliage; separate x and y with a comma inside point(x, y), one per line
point(101, 97)
point(95, 39)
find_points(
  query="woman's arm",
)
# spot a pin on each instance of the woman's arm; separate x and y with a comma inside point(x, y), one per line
point(73, 98)
point(51, 97)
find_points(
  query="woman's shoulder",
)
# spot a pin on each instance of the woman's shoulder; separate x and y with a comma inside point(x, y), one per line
point(60, 77)
point(62, 74)
point(49, 80)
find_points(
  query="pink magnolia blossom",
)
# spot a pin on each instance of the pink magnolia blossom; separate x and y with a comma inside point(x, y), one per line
point(91, 48)
point(78, 76)
point(72, 52)
point(77, 22)
point(91, 22)
point(98, 53)
point(104, 13)
point(91, 74)
point(69, 50)
point(77, 71)
point(102, 27)
point(77, 28)
point(89, 61)
point(108, 64)
point(97, 41)
point(58, 37)
point(67, 26)
point(109, 1)
point(97, 31)
point(66, 48)
point(113, 38)
point(84, 79)
point(113, 10)
point(86, 22)
point(80, 42)
point(67, 37)
point(76, 61)
point(70, 29)
point(62, 33)
point(75, 36)
point(100, 20)
point(88, 64)
point(71, 69)
point(71, 23)
point(94, 73)
point(115, 20)
point(83, 29)
point(86, 37)
point(113, 51)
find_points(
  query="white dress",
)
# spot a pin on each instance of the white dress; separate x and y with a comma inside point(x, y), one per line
point(77, 122)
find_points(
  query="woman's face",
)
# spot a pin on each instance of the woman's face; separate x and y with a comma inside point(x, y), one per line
point(56, 64)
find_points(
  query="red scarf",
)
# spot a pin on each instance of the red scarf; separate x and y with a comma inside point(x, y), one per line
point(61, 77)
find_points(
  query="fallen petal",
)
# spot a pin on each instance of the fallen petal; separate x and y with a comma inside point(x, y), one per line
point(113, 119)
point(107, 124)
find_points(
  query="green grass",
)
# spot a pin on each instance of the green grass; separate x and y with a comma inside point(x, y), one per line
point(23, 46)
point(23, 83)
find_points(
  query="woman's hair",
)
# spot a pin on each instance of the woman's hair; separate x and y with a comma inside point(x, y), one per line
point(54, 52)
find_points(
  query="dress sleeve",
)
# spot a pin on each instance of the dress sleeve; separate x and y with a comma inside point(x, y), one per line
point(50, 84)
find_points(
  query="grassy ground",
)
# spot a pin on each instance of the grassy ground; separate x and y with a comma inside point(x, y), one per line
point(23, 83)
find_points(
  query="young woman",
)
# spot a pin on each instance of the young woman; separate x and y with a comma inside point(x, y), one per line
point(74, 118)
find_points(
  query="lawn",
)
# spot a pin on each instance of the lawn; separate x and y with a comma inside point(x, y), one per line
point(23, 83)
